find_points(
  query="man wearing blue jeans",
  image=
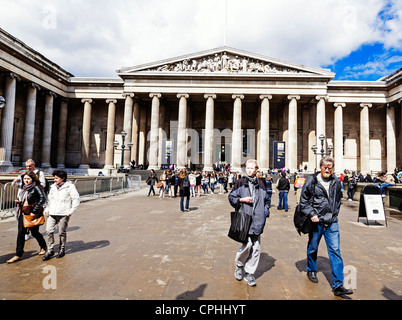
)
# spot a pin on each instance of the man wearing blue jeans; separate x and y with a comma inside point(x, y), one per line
point(320, 201)
point(283, 187)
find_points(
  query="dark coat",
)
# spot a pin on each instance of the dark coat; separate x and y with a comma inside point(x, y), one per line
point(322, 203)
point(184, 191)
point(35, 195)
point(258, 210)
point(152, 179)
point(283, 184)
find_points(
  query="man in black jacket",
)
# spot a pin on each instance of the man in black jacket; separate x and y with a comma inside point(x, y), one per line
point(320, 201)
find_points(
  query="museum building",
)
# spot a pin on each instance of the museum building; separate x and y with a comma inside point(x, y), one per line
point(219, 105)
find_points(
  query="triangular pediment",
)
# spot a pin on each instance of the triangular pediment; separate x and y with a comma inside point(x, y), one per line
point(225, 60)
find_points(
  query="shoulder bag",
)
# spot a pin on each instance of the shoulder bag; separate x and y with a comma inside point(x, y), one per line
point(240, 223)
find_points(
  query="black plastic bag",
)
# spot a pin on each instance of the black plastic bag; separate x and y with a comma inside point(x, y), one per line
point(240, 224)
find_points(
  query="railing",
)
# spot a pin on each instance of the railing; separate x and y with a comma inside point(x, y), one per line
point(93, 187)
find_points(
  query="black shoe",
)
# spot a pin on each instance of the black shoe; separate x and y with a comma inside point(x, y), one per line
point(62, 253)
point(341, 290)
point(312, 276)
point(47, 255)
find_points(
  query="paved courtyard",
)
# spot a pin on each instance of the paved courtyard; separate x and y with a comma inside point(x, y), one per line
point(131, 246)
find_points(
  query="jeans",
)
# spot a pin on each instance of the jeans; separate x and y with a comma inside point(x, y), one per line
point(21, 237)
point(283, 200)
point(350, 193)
point(151, 188)
point(187, 202)
point(332, 239)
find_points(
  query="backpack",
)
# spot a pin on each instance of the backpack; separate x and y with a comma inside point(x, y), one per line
point(46, 188)
point(186, 182)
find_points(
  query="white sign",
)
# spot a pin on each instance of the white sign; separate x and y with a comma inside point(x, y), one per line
point(374, 207)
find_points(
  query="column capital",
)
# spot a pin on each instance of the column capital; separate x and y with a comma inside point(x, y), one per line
point(12, 75)
point(318, 98)
point(51, 93)
point(210, 95)
point(111, 101)
point(33, 85)
point(235, 96)
point(182, 95)
point(364, 104)
point(128, 94)
point(86, 100)
point(400, 101)
point(265, 96)
point(339, 104)
point(154, 94)
point(292, 96)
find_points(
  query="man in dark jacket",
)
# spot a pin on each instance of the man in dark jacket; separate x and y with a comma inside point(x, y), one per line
point(283, 187)
point(320, 201)
point(254, 194)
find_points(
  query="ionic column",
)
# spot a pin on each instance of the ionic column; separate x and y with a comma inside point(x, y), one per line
point(237, 135)
point(7, 121)
point(29, 129)
point(142, 136)
point(338, 137)
point(264, 133)
point(320, 125)
point(127, 124)
point(364, 138)
point(47, 130)
point(181, 131)
point(291, 149)
point(61, 147)
point(391, 139)
point(153, 145)
point(86, 133)
point(209, 132)
point(134, 135)
point(111, 118)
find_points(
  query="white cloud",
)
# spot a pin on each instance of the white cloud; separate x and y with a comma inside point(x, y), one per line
point(94, 38)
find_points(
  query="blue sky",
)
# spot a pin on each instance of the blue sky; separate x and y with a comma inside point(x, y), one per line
point(356, 39)
point(370, 62)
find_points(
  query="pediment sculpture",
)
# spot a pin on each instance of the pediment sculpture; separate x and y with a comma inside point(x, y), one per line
point(224, 63)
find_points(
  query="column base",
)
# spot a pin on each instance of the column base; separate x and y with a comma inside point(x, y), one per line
point(209, 168)
point(83, 166)
point(153, 168)
point(45, 165)
point(6, 163)
point(109, 167)
point(236, 169)
point(61, 166)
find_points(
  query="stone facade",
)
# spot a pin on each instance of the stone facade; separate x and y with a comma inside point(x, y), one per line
point(217, 105)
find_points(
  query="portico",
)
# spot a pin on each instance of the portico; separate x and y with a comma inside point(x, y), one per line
point(217, 105)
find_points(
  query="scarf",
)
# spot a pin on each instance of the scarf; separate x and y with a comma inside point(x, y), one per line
point(58, 186)
point(252, 180)
point(26, 188)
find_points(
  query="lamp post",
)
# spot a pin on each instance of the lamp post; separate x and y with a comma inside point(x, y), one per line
point(322, 152)
point(123, 148)
point(2, 102)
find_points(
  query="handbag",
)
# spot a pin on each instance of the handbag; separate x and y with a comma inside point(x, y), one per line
point(240, 223)
point(159, 185)
point(302, 223)
point(30, 221)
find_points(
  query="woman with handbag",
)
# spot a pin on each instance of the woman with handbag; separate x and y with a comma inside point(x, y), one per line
point(30, 201)
point(252, 195)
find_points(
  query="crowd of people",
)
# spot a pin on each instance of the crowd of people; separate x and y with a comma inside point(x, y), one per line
point(221, 180)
